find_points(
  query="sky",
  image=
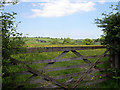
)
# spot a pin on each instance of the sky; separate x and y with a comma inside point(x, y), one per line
point(60, 18)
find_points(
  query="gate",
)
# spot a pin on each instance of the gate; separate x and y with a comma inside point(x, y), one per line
point(88, 74)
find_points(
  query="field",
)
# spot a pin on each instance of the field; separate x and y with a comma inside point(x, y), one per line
point(15, 79)
point(50, 55)
point(48, 40)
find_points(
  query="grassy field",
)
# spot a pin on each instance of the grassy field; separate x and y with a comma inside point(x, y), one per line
point(48, 40)
point(50, 55)
point(32, 40)
point(12, 80)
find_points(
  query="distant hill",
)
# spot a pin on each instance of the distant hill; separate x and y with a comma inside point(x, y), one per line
point(48, 40)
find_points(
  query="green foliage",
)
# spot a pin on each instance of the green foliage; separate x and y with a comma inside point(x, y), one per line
point(67, 40)
point(110, 24)
point(102, 39)
point(87, 42)
point(8, 2)
point(10, 37)
point(110, 83)
point(114, 72)
point(54, 41)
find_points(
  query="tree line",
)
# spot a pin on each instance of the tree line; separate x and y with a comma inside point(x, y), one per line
point(69, 41)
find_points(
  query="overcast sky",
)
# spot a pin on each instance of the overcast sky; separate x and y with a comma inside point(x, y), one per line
point(60, 18)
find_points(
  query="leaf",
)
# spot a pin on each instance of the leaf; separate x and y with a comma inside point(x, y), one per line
point(115, 77)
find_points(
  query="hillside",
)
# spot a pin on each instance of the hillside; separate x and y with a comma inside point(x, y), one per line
point(49, 41)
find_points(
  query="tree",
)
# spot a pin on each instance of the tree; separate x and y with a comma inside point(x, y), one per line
point(98, 41)
point(87, 42)
point(102, 39)
point(54, 41)
point(10, 37)
point(110, 24)
point(67, 40)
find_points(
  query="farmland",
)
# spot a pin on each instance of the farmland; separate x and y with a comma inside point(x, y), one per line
point(14, 70)
point(50, 55)
point(62, 63)
point(31, 41)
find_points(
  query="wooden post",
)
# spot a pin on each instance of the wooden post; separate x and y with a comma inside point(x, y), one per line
point(117, 61)
point(112, 60)
point(116, 56)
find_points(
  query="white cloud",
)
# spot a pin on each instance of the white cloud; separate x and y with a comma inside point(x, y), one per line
point(7, 4)
point(34, 5)
point(70, 0)
point(102, 1)
point(58, 8)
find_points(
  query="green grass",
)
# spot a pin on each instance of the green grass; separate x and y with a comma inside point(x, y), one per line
point(69, 63)
point(50, 55)
point(92, 52)
point(32, 40)
point(111, 83)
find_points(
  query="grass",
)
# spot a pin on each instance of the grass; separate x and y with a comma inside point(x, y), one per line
point(50, 55)
point(111, 83)
point(33, 40)
point(54, 45)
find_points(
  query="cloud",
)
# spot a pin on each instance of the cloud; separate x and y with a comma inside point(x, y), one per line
point(58, 8)
point(7, 4)
point(34, 5)
point(102, 1)
point(70, 0)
